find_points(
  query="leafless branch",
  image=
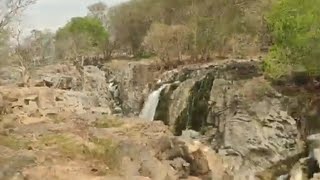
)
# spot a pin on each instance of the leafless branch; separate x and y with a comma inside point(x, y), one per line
point(10, 8)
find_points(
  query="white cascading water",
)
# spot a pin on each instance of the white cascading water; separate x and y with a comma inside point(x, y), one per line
point(150, 106)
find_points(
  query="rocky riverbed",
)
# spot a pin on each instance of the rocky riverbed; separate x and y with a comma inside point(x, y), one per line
point(220, 120)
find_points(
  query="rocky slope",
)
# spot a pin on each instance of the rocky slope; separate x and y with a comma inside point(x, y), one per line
point(232, 109)
point(213, 121)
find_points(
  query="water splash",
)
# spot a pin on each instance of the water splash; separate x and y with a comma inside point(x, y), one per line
point(150, 106)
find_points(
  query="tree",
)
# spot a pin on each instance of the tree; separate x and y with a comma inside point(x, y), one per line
point(80, 36)
point(100, 11)
point(129, 23)
point(166, 41)
point(41, 45)
point(10, 8)
point(4, 46)
point(214, 23)
point(295, 28)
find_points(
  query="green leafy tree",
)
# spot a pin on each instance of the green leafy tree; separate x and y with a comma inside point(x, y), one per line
point(82, 35)
point(295, 27)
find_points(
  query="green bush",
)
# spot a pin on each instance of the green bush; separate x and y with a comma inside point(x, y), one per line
point(295, 27)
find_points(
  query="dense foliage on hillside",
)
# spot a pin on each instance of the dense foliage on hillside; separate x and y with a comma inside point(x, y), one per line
point(295, 26)
point(214, 26)
point(179, 29)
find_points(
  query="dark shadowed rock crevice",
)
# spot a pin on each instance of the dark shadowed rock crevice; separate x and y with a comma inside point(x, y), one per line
point(132, 79)
point(194, 115)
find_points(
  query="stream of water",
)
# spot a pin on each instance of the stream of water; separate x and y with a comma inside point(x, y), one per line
point(150, 106)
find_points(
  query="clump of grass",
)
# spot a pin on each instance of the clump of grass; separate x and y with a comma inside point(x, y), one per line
point(67, 145)
point(104, 150)
point(107, 123)
point(13, 142)
point(101, 149)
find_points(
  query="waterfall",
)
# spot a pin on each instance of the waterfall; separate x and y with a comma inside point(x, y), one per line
point(150, 106)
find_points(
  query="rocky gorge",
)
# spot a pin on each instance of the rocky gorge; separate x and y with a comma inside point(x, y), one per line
point(128, 120)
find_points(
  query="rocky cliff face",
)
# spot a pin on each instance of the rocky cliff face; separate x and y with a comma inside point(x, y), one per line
point(232, 109)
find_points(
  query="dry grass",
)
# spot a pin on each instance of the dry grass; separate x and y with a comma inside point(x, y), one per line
point(104, 151)
point(107, 122)
point(256, 89)
point(13, 142)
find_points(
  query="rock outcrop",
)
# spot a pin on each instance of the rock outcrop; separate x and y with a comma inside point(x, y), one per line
point(43, 101)
point(131, 79)
point(59, 76)
point(237, 112)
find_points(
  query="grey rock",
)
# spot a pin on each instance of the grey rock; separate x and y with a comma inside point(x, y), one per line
point(131, 80)
point(190, 134)
point(252, 130)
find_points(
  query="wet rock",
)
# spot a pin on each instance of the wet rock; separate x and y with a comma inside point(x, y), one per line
point(131, 79)
point(179, 107)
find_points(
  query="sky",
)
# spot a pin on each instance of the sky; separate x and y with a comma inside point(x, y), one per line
point(52, 14)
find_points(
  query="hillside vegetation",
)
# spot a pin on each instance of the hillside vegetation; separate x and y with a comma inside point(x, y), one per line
point(175, 30)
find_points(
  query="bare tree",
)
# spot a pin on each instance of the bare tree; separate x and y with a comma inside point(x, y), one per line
point(168, 42)
point(10, 8)
point(24, 56)
point(99, 10)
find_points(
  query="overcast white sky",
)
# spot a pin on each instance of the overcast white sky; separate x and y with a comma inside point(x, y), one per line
point(51, 14)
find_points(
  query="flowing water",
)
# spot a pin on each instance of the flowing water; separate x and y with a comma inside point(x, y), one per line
point(150, 106)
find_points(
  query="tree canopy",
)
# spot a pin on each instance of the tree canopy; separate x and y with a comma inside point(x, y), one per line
point(213, 22)
point(295, 26)
point(82, 35)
